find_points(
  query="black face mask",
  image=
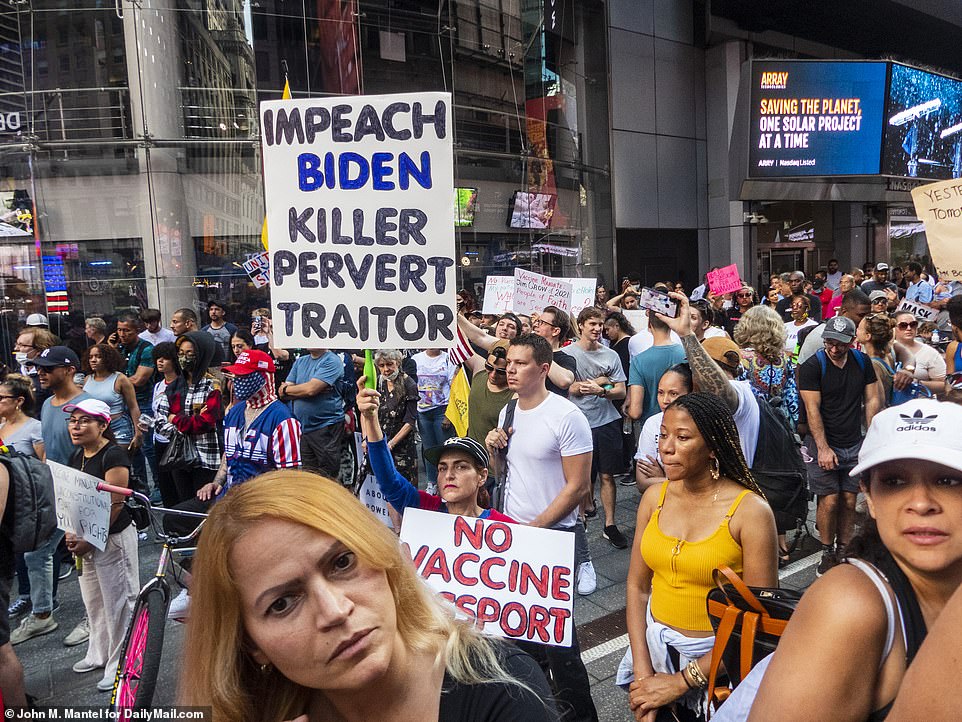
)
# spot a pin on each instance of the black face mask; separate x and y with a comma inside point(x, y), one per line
point(187, 363)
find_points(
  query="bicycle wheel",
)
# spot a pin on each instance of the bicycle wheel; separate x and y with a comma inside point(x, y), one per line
point(140, 655)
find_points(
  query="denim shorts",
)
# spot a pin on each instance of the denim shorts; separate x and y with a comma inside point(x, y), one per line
point(826, 483)
point(123, 428)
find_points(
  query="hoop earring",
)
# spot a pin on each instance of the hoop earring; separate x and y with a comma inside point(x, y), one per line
point(716, 469)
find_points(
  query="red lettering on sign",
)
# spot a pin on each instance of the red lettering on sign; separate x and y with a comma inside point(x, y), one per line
point(560, 580)
point(459, 574)
point(559, 615)
point(463, 603)
point(419, 557)
point(491, 529)
point(437, 563)
point(513, 576)
point(538, 619)
point(486, 579)
point(488, 610)
point(462, 530)
point(539, 580)
point(517, 630)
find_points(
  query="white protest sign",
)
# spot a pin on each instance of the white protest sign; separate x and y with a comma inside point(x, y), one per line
point(359, 216)
point(582, 293)
point(371, 496)
point(939, 207)
point(532, 292)
point(515, 580)
point(81, 509)
point(258, 268)
point(498, 294)
point(922, 313)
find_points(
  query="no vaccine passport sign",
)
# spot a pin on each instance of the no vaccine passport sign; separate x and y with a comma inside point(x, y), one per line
point(360, 223)
point(515, 580)
point(816, 118)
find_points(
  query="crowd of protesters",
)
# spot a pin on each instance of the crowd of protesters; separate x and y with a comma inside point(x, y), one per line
point(558, 412)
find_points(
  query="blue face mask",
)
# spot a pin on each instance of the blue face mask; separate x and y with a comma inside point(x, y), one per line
point(247, 385)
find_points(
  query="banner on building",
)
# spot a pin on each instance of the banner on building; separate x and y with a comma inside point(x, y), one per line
point(515, 580)
point(359, 215)
point(939, 207)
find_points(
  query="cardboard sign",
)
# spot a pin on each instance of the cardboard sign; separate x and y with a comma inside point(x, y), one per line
point(257, 267)
point(81, 509)
point(582, 293)
point(358, 196)
point(371, 496)
point(922, 313)
point(724, 280)
point(517, 581)
point(498, 295)
point(532, 292)
point(939, 207)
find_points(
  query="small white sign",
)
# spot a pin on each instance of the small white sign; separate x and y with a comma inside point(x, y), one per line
point(922, 313)
point(498, 295)
point(81, 509)
point(371, 496)
point(533, 291)
point(517, 581)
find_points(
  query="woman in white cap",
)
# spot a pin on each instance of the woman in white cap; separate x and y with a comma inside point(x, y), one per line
point(110, 580)
point(858, 627)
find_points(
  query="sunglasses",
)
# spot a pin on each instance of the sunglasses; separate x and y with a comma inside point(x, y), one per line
point(743, 295)
point(906, 325)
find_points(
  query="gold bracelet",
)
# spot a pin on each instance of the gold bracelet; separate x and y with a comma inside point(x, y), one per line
point(687, 681)
point(697, 676)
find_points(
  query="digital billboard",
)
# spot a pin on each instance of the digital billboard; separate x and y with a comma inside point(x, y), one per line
point(816, 118)
point(532, 210)
point(465, 204)
point(923, 125)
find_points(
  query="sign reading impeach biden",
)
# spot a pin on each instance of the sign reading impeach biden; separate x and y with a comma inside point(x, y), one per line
point(360, 224)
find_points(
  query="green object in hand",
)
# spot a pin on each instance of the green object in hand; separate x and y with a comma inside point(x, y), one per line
point(370, 372)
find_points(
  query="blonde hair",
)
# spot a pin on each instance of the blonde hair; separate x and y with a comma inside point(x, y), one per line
point(762, 329)
point(219, 670)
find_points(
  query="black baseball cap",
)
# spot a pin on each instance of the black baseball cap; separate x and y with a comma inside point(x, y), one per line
point(55, 357)
point(458, 443)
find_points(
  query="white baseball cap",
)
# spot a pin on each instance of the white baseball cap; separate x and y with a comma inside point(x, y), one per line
point(37, 319)
point(921, 429)
point(92, 407)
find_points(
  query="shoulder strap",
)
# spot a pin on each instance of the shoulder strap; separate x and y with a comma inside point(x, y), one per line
point(859, 357)
point(881, 583)
point(958, 356)
point(509, 416)
point(661, 497)
point(822, 360)
point(738, 500)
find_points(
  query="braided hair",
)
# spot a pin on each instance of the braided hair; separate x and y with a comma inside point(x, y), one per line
point(717, 426)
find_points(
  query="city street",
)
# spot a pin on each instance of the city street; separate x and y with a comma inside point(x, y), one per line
point(600, 617)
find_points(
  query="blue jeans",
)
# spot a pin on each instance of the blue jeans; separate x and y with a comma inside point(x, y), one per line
point(432, 434)
point(41, 573)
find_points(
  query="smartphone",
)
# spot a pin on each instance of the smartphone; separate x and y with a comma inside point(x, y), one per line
point(658, 301)
point(258, 323)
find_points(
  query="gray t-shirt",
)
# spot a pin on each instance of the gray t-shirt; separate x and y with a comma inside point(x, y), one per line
point(56, 437)
point(592, 364)
point(24, 438)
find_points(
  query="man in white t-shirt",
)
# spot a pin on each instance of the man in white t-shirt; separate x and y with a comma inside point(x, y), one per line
point(715, 365)
point(548, 469)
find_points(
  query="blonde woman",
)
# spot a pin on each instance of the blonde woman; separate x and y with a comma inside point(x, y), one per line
point(303, 607)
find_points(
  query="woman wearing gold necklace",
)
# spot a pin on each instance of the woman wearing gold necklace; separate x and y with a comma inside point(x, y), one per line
point(110, 580)
point(709, 513)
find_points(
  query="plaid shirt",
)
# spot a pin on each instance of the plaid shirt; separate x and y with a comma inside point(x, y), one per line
point(198, 413)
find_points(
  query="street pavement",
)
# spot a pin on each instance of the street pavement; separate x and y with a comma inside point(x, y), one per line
point(600, 618)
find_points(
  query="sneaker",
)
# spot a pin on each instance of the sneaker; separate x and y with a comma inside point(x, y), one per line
point(587, 579)
point(828, 561)
point(21, 605)
point(31, 627)
point(593, 512)
point(106, 684)
point(613, 534)
point(66, 569)
point(625, 479)
point(179, 608)
point(78, 635)
point(83, 666)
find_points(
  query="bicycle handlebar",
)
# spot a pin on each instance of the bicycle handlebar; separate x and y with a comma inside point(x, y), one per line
point(122, 490)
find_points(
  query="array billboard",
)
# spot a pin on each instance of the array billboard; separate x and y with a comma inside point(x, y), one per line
point(831, 118)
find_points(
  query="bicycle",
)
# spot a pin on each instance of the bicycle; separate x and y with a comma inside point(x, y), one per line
point(139, 662)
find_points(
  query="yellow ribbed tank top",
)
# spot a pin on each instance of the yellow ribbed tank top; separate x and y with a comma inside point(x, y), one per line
point(682, 570)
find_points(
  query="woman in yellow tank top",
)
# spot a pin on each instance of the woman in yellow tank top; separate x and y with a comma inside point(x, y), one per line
point(704, 516)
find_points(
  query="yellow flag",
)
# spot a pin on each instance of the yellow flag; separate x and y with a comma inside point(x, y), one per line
point(457, 411)
point(286, 95)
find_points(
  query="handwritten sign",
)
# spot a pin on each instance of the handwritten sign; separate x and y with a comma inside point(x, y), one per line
point(582, 293)
point(358, 196)
point(498, 295)
point(724, 280)
point(939, 207)
point(81, 509)
point(922, 313)
point(515, 580)
point(532, 292)
point(371, 496)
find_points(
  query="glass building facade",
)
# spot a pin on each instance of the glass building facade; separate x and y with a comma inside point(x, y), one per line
point(130, 170)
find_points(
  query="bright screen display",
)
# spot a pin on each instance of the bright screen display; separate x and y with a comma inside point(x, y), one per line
point(816, 118)
point(923, 125)
point(465, 202)
point(532, 210)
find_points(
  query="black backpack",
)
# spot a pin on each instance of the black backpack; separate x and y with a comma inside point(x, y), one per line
point(778, 467)
point(31, 512)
